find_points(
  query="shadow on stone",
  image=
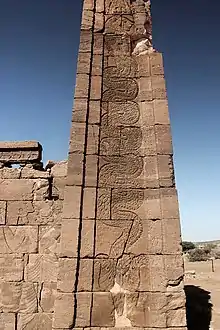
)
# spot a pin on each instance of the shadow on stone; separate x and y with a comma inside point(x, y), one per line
point(198, 308)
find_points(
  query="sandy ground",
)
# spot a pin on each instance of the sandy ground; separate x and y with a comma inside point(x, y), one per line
point(209, 281)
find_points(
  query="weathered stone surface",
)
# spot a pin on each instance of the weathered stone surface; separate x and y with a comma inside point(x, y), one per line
point(103, 310)
point(47, 297)
point(169, 203)
point(59, 169)
point(84, 301)
point(41, 268)
point(10, 173)
point(16, 190)
point(2, 212)
point(40, 321)
point(18, 296)
point(49, 239)
point(67, 275)
point(69, 238)
point(120, 235)
point(7, 321)
point(34, 213)
point(11, 267)
point(140, 315)
point(64, 311)
point(89, 203)
point(85, 275)
point(71, 206)
point(87, 239)
point(18, 239)
point(20, 152)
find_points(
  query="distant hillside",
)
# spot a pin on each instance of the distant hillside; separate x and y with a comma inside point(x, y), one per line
point(217, 242)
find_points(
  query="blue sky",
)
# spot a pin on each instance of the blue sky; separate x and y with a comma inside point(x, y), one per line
point(38, 51)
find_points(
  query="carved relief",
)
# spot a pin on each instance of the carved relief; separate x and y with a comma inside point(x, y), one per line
point(118, 7)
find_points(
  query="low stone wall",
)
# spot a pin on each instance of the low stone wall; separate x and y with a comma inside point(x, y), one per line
point(31, 200)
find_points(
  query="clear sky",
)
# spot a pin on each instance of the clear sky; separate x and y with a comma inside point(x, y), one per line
point(38, 51)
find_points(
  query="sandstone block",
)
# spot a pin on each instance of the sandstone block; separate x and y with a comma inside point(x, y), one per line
point(41, 189)
point(64, 311)
point(176, 314)
point(161, 112)
point(91, 170)
point(97, 65)
point(166, 171)
point(145, 89)
point(7, 321)
point(99, 22)
point(85, 275)
point(77, 139)
point(103, 313)
point(82, 85)
point(41, 321)
point(159, 88)
point(49, 239)
point(28, 172)
point(11, 267)
point(89, 203)
point(174, 270)
point(87, 239)
point(15, 239)
point(171, 236)
point(147, 309)
point(143, 203)
point(85, 41)
point(169, 203)
point(34, 213)
point(156, 64)
point(59, 169)
point(84, 301)
point(146, 114)
point(94, 112)
point(104, 204)
point(96, 85)
point(98, 44)
point(163, 140)
point(17, 189)
point(92, 140)
point(88, 5)
point(10, 173)
point(47, 296)
point(69, 238)
point(115, 237)
point(75, 169)
point(2, 212)
point(71, 204)
point(58, 187)
point(67, 275)
point(41, 268)
point(80, 110)
point(100, 6)
point(87, 20)
point(18, 296)
point(83, 65)
point(20, 152)
point(143, 65)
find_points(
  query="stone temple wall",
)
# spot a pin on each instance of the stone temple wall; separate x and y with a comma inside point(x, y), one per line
point(95, 243)
point(31, 201)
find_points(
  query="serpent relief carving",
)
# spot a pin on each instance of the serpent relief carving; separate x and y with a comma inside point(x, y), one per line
point(121, 163)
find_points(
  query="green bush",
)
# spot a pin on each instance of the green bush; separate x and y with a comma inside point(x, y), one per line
point(199, 254)
point(188, 246)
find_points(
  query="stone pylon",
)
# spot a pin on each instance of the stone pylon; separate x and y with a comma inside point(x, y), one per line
point(121, 261)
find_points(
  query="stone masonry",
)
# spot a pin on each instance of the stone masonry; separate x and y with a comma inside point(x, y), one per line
point(94, 243)
point(120, 261)
point(31, 201)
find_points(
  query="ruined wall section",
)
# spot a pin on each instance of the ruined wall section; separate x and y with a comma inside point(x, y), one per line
point(31, 200)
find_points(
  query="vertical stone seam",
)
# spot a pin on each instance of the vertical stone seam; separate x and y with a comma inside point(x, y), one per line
point(83, 178)
point(97, 185)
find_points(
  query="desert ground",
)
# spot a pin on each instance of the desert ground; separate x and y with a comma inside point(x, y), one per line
point(200, 274)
